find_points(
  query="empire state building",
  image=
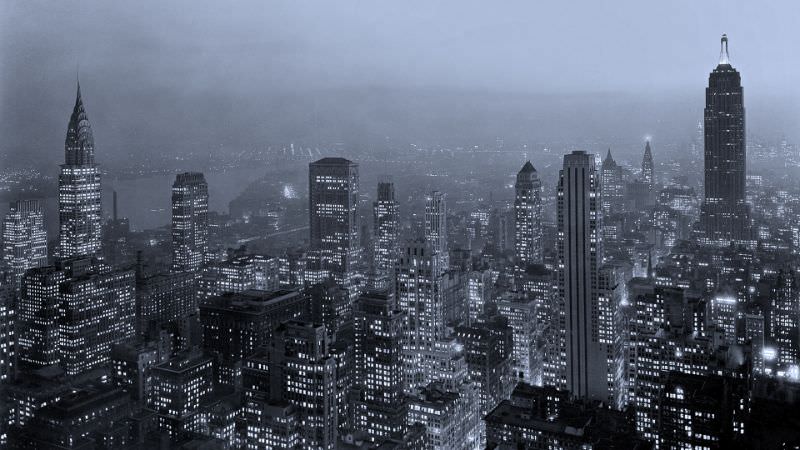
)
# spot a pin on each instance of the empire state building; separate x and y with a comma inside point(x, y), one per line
point(725, 215)
point(79, 210)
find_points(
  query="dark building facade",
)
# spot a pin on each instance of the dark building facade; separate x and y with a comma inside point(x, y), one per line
point(528, 215)
point(648, 169)
point(235, 325)
point(579, 256)
point(335, 231)
point(386, 229)
point(24, 238)
point(73, 313)
point(189, 221)
point(380, 409)
point(725, 215)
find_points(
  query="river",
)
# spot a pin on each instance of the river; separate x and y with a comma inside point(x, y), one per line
point(146, 200)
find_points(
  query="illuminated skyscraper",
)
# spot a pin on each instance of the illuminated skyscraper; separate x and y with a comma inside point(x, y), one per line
point(73, 313)
point(239, 274)
point(163, 298)
point(24, 238)
point(189, 221)
point(420, 285)
point(386, 229)
point(612, 185)
point(8, 321)
point(479, 293)
point(648, 171)
point(488, 351)
point(436, 226)
point(307, 379)
point(785, 319)
point(79, 209)
point(725, 215)
point(579, 257)
point(179, 387)
point(380, 410)
point(528, 214)
point(334, 221)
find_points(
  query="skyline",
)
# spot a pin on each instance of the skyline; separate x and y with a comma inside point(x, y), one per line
point(427, 279)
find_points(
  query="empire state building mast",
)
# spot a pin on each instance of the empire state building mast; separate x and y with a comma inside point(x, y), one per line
point(79, 209)
point(725, 215)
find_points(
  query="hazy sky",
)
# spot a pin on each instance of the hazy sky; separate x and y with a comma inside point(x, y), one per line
point(183, 74)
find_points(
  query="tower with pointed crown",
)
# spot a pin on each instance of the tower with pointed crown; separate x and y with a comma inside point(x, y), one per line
point(612, 186)
point(648, 174)
point(79, 208)
point(528, 216)
point(725, 215)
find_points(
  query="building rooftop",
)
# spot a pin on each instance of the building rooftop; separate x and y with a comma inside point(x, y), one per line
point(333, 161)
point(527, 168)
point(183, 363)
point(251, 301)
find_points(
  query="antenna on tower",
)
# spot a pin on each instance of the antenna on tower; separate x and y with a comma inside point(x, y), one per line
point(723, 50)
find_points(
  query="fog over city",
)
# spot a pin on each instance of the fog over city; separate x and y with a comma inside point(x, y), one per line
point(211, 76)
point(375, 225)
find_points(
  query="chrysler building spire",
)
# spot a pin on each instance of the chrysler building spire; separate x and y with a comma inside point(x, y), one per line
point(648, 171)
point(79, 209)
point(79, 145)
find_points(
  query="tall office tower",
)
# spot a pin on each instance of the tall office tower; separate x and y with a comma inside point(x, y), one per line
point(703, 411)
point(419, 286)
point(386, 230)
point(8, 322)
point(538, 323)
point(73, 313)
point(239, 274)
point(648, 173)
point(579, 256)
point(664, 337)
point(451, 417)
point(725, 215)
point(380, 409)
point(785, 319)
point(334, 221)
point(612, 185)
point(529, 339)
point(488, 350)
point(528, 215)
point(612, 329)
point(79, 209)
point(179, 386)
point(436, 226)
point(236, 324)
point(163, 298)
point(37, 318)
point(479, 294)
point(754, 329)
point(723, 316)
point(447, 399)
point(189, 221)
point(24, 238)
point(329, 305)
point(307, 378)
